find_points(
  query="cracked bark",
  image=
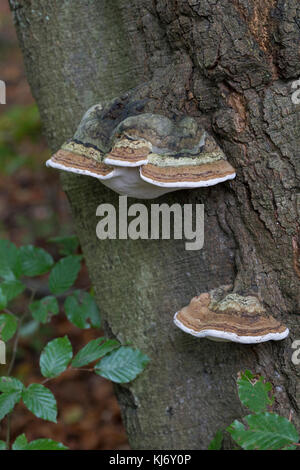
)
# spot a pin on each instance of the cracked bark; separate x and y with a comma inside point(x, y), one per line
point(230, 65)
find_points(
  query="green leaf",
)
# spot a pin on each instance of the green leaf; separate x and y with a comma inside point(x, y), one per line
point(7, 402)
point(64, 274)
point(92, 312)
point(19, 122)
point(41, 309)
point(10, 384)
point(11, 394)
point(81, 307)
point(41, 402)
point(10, 265)
point(93, 351)
point(8, 326)
point(3, 300)
point(20, 443)
point(266, 431)
point(253, 392)
point(122, 365)
point(69, 244)
point(45, 444)
point(12, 289)
point(216, 442)
point(74, 312)
point(55, 357)
point(35, 261)
point(2, 445)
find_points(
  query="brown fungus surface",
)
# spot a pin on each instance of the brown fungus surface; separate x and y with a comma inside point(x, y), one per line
point(74, 163)
point(241, 319)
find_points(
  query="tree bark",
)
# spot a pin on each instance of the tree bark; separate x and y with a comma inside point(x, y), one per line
point(230, 65)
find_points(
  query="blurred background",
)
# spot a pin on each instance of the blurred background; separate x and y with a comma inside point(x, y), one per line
point(33, 209)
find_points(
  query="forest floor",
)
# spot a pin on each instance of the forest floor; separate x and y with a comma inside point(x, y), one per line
point(33, 209)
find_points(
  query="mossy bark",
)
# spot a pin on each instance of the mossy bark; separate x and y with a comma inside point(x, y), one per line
point(230, 65)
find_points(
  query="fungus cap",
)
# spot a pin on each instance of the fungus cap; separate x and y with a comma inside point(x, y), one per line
point(128, 153)
point(232, 318)
point(79, 164)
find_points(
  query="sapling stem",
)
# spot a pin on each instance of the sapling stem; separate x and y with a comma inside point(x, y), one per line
point(13, 359)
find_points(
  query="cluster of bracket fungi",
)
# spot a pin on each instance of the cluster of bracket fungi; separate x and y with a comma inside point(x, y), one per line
point(145, 155)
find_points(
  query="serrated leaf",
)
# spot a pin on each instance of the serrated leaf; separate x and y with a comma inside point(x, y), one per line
point(8, 326)
point(289, 447)
point(254, 393)
point(55, 357)
point(64, 274)
point(10, 265)
point(74, 312)
point(266, 431)
point(69, 244)
point(122, 365)
point(94, 350)
point(40, 401)
point(12, 289)
point(11, 389)
point(216, 442)
point(10, 384)
point(20, 443)
point(41, 309)
point(81, 307)
point(90, 306)
point(8, 401)
point(45, 444)
point(35, 261)
point(2, 445)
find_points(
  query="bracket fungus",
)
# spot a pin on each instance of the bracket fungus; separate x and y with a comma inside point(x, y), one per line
point(143, 155)
point(229, 318)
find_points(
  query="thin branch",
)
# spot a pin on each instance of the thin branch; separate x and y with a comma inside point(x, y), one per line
point(8, 431)
point(15, 345)
point(67, 370)
point(13, 359)
point(6, 310)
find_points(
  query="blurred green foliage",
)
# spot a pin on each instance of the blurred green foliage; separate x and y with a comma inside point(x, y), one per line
point(18, 124)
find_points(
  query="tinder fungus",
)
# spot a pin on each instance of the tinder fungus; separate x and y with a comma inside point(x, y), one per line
point(229, 318)
point(145, 155)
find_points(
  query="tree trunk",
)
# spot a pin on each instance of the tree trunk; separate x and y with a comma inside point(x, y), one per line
point(230, 65)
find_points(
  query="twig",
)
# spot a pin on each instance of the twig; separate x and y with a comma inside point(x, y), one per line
point(12, 362)
point(67, 370)
point(7, 311)
point(8, 431)
point(15, 345)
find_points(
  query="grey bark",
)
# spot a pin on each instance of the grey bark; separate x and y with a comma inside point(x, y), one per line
point(229, 64)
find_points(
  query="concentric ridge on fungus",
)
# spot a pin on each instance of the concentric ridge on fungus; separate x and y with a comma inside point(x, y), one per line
point(241, 319)
point(64, 160)
point(144, 155)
